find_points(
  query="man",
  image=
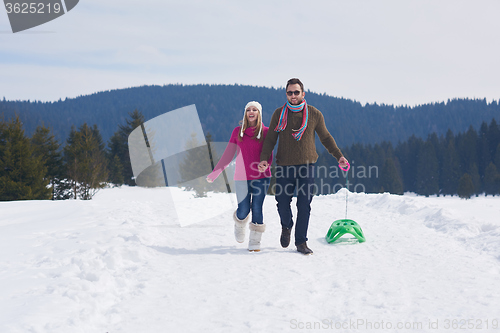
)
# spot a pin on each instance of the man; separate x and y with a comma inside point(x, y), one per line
point(296, 123)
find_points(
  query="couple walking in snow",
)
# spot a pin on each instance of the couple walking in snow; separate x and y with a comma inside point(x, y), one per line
point(295, 124)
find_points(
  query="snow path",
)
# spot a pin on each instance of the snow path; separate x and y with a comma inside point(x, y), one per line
point(119, 263)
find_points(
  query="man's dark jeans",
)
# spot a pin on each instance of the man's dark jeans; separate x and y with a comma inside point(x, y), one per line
point(295, 180)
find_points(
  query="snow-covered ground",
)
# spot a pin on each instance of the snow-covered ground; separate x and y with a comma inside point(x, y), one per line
point(122, 263)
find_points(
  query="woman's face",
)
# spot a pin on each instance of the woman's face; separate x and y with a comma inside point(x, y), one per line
point(252, 114)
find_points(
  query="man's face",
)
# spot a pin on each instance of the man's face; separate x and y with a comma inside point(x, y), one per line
point(294, 94)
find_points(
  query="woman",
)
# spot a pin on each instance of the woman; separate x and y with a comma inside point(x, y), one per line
point(251, 184)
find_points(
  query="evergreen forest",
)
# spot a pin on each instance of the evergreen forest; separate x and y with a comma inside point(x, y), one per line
point(70, 149)
point(465, 164)
point(220, 108)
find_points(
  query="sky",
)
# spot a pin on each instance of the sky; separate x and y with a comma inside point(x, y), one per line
point(386, 51)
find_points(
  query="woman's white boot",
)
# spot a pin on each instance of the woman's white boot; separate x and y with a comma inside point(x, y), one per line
point(239, 228)
point(256, 231)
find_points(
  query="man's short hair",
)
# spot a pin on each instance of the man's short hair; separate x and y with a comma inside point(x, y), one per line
point(295, 81)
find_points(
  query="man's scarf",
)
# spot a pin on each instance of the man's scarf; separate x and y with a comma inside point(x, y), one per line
point(284, 115)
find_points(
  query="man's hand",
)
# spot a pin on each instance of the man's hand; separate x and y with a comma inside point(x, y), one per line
point(343, 162)
point(263, 165)
point(210, 180)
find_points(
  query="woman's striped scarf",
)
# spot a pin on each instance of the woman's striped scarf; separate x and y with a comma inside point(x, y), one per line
point(284, 115)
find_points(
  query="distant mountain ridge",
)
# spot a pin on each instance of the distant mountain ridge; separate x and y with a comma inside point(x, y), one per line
point(220, 108)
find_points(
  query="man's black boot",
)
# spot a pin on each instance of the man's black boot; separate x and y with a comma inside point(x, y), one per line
point(285, 237)
point(302, 248)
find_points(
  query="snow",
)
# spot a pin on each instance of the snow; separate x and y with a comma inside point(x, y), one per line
point(122, 262)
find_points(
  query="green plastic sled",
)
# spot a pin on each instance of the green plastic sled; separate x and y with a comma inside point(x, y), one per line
point(342, 227)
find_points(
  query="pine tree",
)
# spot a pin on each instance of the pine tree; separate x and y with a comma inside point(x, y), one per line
point(71, 155)
point(85, 156)
point(427, 180)
point(116, 171)
point(390, 179)
point(468, 149)
point(117, 152)
point(465, 187)
point(47, 147)
point(378, 158)
point(193, 168)
point(496, 160)
point(476, 179)
point(118, 146)
point(493, 138)
point(450, 169)
point(483, 150)
point(408, 154)
point(22, 173)
point(491, 180)
point(93, 164)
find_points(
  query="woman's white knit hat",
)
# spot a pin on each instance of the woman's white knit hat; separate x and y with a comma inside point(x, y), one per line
point(259, 107)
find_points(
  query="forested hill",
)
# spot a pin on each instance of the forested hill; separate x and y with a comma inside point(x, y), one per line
point(220, 108)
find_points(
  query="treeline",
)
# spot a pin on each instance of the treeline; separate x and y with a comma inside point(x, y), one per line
point(465, 164)
point(40, 168)
point(220, 108)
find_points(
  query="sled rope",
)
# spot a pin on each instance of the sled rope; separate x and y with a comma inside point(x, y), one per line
point(346, 185)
